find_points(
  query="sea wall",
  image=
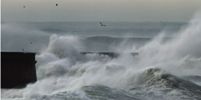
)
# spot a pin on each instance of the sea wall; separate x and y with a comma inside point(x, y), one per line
point(17, 69)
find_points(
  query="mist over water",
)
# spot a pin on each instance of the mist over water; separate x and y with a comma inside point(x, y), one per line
point(34, 36)
point(168, 69)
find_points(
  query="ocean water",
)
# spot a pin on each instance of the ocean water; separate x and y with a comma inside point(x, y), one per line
point(167, 66)
point(34, 36)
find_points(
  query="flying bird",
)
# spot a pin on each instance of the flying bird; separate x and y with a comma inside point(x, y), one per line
point(101, 24)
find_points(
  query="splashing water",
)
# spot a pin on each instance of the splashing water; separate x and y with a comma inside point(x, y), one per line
point(156, 72)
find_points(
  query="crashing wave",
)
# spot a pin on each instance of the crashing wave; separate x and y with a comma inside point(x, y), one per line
point(155, 80)
point(99, 92)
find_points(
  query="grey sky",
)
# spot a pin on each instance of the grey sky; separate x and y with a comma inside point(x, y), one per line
point(96, 10)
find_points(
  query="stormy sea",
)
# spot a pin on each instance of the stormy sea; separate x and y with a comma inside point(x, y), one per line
point(117, 61)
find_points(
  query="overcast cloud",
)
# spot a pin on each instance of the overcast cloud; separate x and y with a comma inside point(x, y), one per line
point(96, 10)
